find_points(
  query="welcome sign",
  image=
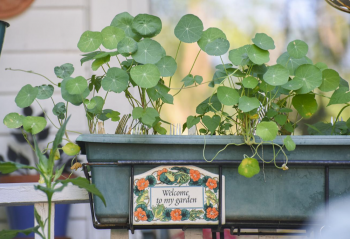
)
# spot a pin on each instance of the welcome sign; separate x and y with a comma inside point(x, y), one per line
point(177, 195)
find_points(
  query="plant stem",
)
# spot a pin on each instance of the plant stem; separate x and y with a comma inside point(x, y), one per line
point(31, 72)
point(188, 72)
point(178, 48)
point(46, 115)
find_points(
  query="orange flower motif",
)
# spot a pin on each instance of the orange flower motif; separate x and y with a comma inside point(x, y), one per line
point(211, 183)
point(142, 184)
point(176, 215)
point(140, 214)
point(212, 213)
point(195, 175)
point(164, 170)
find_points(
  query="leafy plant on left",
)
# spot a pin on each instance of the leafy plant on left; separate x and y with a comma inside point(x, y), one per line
point(51, 184)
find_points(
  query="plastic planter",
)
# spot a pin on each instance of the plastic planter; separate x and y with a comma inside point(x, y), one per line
point(318, 171)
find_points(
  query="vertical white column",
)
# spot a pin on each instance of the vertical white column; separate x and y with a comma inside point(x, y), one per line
point(267, 237)
point(43, 210)
point(194, 234)
point(119, 234)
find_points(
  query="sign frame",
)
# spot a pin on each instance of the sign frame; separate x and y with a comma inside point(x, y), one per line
point(183, 204)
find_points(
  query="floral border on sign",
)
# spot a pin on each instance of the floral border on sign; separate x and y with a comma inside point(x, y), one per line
point(176, 176)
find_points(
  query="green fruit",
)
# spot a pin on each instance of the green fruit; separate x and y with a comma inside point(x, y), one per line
point(249, 167)
point(71, 149)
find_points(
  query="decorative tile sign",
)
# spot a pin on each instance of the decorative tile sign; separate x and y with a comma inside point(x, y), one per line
point(177, 195)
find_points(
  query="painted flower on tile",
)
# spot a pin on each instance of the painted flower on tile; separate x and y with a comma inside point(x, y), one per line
point(140, 214)
point(211, 183)
point(212, 213)
point(164, 170)
point(195, 175)
point(142, 184)
point(176, 215)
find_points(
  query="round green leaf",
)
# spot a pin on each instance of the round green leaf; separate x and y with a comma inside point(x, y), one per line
point(77, 85)
point(127, 46)
point(192, 120)
point(13, 120)
point(239, 56)
point(247, 104)
point(74, 99)
point(90, 41)
point(267, 131)
point(297, 49)
point(59, 110)
point(99, 105)
point(322, 66)
point(291, 63)
point(250, 82)
point(266, 87)
point(257, 55)
point(148, 52)
point(26, 96)
point(34, 124)
point(188, 80)
point(103, 115)
point(111, 36)
point(124, 21)
point(330, 80)
point(90, 104)
point(167, 66)
point(306, 105)
point(227, 95)
point(148, 116)
point(280, 119)
point(116, 80)
point(289, 143)
point(147, 25)
point(263, 41)
point(210, 35)
point(71, 149)
point(45, 92)
point(217, 47)
point(276, 75)
point(294, 84)
point(145, 76)
point(64, 71)
point(249, 167)
point(311, 77)
point(189, 29)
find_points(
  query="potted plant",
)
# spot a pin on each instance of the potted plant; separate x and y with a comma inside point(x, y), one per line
point(50, 182)
point(18, 215)
point(247, 117)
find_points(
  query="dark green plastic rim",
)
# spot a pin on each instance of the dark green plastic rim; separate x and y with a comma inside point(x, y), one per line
point(5, 23)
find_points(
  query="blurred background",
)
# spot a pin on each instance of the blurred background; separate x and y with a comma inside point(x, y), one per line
point(44, 34)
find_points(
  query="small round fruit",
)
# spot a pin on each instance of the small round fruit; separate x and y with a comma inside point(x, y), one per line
point(249, 167)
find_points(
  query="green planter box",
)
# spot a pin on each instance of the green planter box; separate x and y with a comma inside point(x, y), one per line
point(274, 197)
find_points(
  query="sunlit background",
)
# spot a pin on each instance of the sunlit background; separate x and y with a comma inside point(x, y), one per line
point(323, 28)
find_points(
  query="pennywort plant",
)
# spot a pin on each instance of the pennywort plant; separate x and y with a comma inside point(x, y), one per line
point(251, 98)
point(50, 184)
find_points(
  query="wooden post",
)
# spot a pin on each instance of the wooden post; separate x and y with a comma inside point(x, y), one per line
point(120, 234)
point(43, 210)
point(267, 237)
point(194, 234)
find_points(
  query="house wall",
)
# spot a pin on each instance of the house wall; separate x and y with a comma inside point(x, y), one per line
point(45, 36)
